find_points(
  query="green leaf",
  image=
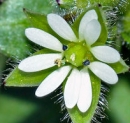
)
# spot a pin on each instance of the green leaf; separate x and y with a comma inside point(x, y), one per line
point(22, 79)
point(120, 67)
point(38, 20)
point(66, 4)
point(13, 23)
point(84, 3)
point(76, 115)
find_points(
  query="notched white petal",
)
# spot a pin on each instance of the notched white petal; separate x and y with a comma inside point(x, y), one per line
point(38, 62)
point(92, 32)
point(72, 87)
point(52, 82)
point(61, 27)
point(85, 95)
point(106, 54)
point(104, 72)
point(43, 38)
point(89, 16)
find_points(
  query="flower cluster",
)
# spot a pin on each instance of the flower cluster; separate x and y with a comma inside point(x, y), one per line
point(74, 59)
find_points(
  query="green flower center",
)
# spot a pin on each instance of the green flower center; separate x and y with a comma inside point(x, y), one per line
point(78, 54)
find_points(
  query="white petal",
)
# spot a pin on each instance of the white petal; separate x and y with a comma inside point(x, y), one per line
point(72, 87)
point(104, 72)
point(90, 15)
point(43, 38)
point(39, 62)
point(92, 32)
point(85, 96)
point(52, 82)
point(61, 27)
point(106, 54)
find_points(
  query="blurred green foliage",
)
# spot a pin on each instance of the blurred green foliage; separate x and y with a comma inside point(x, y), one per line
point(13, 22)
point(19, 105)
point(119, 101)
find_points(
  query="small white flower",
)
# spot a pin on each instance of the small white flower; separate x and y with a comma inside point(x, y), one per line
point(78, 90)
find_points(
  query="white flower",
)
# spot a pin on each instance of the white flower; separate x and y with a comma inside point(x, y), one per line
point(78, 90)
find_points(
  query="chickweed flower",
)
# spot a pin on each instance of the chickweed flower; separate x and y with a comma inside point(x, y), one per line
point(74, 60)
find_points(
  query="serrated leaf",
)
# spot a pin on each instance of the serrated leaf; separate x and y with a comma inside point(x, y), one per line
point(76, 115)
point(13, 23)
point(120, 67)
point(22, 79)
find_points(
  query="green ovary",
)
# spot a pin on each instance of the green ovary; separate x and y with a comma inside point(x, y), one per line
point(77, 53)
